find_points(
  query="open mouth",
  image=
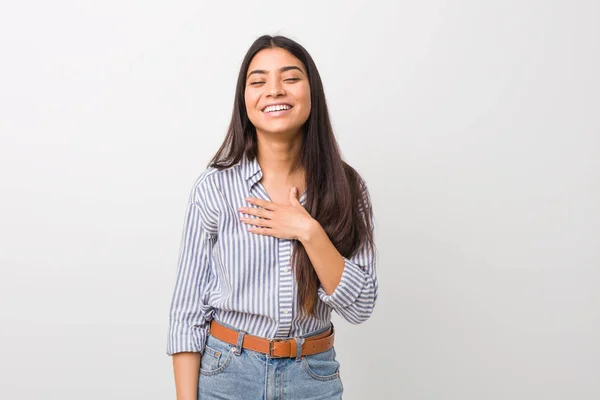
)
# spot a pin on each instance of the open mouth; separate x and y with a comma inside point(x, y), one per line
point(276, 108)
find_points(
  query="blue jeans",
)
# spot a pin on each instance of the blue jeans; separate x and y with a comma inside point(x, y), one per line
point(228, 373)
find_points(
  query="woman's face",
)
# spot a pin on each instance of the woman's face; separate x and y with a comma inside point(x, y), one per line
point(277, 92)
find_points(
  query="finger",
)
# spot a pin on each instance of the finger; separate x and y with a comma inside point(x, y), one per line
point(256, 221)
point(261, 203)
point(259, 212)
point(262, 231)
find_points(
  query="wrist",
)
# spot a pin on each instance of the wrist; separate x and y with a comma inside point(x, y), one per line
point(310, 231)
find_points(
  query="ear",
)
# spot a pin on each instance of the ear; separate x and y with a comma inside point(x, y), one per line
point(294, 196)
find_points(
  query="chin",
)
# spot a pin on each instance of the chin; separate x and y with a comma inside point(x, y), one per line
point(278, 128)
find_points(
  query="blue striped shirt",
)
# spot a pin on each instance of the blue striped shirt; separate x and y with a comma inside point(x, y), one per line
point(244, 279)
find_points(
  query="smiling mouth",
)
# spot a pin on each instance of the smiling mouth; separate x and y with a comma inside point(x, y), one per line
point(276, 107)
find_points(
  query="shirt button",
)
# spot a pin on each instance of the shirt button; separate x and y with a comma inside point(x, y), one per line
point(286, 269)
point(285, 312)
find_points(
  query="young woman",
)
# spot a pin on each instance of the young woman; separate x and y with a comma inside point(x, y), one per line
point(278, 232)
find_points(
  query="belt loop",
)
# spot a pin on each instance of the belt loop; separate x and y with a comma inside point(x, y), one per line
point(299, 343)
point(240, 342)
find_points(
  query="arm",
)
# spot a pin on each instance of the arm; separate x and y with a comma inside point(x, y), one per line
point(188, 328)
point(348, 285)
point(186, 368)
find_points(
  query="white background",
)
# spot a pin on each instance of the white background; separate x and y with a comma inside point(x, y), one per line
point(476, 125)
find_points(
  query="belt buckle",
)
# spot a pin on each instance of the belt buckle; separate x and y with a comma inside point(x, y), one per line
point(271, 347)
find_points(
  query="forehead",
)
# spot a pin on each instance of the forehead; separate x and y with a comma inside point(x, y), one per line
point(272, 59)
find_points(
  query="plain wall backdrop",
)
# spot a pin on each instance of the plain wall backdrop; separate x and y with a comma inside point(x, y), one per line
point(475, 124)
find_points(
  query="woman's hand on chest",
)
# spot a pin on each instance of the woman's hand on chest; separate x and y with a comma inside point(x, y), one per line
point(282, 221)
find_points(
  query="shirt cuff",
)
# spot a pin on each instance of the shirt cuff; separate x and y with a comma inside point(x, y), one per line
point(349, 288)
point(186, 339)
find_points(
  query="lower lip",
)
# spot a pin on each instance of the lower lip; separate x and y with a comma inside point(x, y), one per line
point(278, 113)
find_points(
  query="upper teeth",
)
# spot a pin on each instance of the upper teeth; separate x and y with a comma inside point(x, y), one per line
point(277, 107)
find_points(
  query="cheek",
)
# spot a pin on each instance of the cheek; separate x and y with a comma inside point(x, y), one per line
point(251, 95)
point(305, 94)
point(250, 104)
point(307, 104)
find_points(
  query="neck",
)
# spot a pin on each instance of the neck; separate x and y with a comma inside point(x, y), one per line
point(281, 156)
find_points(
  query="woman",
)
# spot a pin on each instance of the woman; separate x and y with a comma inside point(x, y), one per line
point(278, 232)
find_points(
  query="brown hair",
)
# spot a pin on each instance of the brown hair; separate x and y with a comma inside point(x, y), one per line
point(336, 195)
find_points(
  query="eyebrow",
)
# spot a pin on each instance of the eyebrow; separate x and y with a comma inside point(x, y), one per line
point(282, 69)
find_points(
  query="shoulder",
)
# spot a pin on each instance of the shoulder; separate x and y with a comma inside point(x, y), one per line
point(208, 185)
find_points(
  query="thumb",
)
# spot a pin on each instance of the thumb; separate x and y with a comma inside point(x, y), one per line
point(294, 195)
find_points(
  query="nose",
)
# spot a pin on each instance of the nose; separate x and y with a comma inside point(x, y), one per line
point(275, 88)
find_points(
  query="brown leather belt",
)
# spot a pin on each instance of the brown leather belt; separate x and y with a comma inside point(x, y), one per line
point(276, 348)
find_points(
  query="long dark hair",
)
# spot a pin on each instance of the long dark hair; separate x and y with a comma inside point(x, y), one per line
point(336, 195)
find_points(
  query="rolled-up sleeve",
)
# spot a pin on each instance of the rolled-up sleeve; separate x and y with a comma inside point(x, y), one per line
point(355, 296)
point(190, 314)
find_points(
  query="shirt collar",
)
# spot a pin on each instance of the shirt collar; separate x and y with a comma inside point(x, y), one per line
point(252, 173)
point(250, 170)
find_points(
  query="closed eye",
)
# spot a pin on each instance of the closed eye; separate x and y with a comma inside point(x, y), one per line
point(286, 80)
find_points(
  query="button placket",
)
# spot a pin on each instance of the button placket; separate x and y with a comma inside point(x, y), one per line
point(285, 288)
